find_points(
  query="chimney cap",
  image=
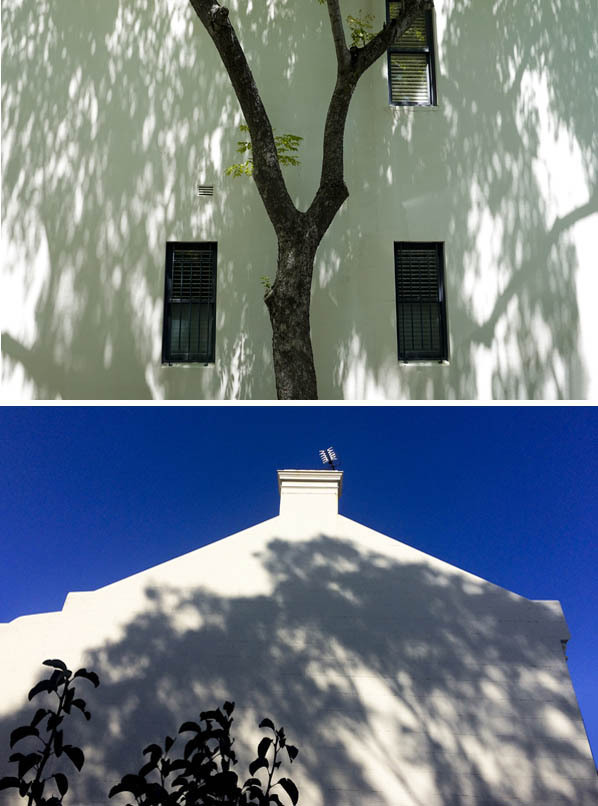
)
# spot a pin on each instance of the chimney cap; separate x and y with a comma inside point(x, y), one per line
point(311, 478)
point(309, 493)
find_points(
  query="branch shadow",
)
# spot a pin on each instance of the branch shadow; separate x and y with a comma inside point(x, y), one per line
point(104, 146)
point(401, 683)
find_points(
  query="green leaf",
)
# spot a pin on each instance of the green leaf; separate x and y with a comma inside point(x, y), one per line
point(257, 764)
point(75, 754)
point(290, 788)
point(21, 733)
point(56, 663)
point(263, 746)
point(62, 782)
point(266, 723)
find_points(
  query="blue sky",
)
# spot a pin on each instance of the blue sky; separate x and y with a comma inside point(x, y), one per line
point(91, 495)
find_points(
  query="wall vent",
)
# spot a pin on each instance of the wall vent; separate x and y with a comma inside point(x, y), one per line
point(205, 190)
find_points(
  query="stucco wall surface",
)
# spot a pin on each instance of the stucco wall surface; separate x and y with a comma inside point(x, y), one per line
point(403, 680)
point(114, 111)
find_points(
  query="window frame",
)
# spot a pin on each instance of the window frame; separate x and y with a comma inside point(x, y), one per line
point(428, 51)
point(191, 358)
point(424, 356)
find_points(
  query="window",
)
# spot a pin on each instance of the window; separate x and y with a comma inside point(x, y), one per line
point(421, 309)
point(189, 303)
point(411, 73)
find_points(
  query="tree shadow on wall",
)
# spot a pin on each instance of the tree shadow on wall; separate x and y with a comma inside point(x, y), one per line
point(479, 174)
point(113, 112)
point(399, 683)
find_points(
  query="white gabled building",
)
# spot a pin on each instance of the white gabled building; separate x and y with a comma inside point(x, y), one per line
point(463, 265)
point(402, 679)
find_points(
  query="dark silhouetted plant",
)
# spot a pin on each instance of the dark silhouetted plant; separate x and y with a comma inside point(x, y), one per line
point(49, 741)
point(203, 776)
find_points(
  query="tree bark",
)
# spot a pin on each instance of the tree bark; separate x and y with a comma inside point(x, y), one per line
point(288, 303)
point(299, 233)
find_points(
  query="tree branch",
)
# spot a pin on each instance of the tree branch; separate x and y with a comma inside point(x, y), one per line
point(390, 32)
point(266, 168)
point(338, 32)
point(332, 191)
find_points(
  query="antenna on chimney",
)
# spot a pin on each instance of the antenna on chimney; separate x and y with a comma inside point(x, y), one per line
point(328, 457)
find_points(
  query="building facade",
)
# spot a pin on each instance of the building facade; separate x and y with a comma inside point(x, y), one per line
point(402, 679)
point(119, 123)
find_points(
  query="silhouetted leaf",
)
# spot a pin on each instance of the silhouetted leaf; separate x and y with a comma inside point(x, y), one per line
point(255, 790)
point(43, 685)
point(154, 749)
point(224, 782)
point(266, 723)
point(75, 754)
point(91, 676)
point(58, 743)
point(54, 721)
point(290, 788)
point(257, 764)
point(263, 746)
point(130, 783)
point(273, 798)
point(56, 663)
point(52, 801)
point(292, 751)
point(62, 782)
point(39, 715)
point(8, 781)
point(168, 742)
point(151, 765)
point(26, 762)
point(228, 707)
point(21, 733)
point(190, 726)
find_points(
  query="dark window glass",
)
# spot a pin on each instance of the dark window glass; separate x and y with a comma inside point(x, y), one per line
point(411, 69)
point(189, 303)
point(421, 309)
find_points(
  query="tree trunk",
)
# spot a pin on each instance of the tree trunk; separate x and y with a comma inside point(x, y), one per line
point(288, 304)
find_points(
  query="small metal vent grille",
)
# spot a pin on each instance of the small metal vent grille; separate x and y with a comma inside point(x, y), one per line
point(411, 62)
point(190, 303)
point(205, 190)
point(421, 312)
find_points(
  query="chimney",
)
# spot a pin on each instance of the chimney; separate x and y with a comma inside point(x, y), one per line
point(309, 493)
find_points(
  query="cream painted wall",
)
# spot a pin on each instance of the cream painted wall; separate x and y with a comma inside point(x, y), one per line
point(403, 680)
point(113, 112)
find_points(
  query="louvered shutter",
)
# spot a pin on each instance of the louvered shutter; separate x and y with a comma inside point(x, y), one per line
point(190, 303)
point(421, 311)
point(411, 62)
